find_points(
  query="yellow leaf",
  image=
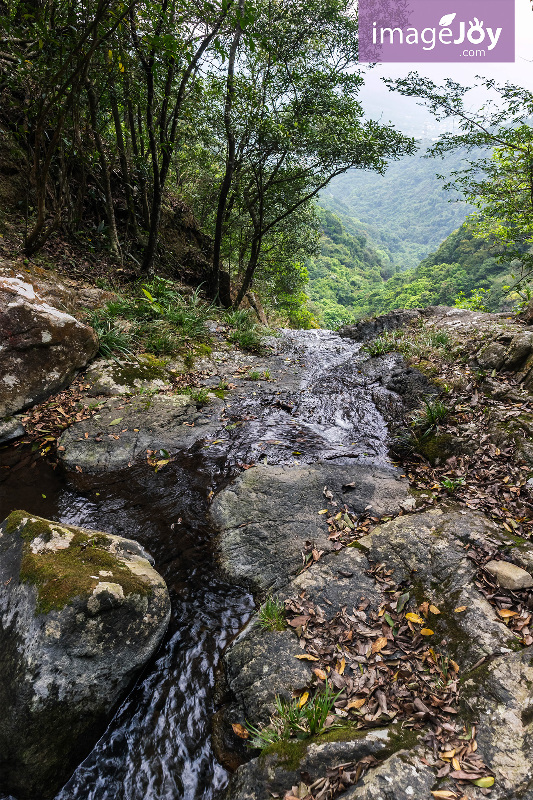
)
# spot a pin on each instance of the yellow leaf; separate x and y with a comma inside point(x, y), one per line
point(356, 703)
point(484, 783)
point(414, 618)
point(507, 527)
point(341, 665)
point(121, 67)
point(455, 763)
point(110, 54)
point(427, 632)
point(506, 613)
point(460, 609)
point(379, 644)
point(240, 730)
point(434, 610)
point(324, 511)
point(303, 699)
point(448, 753)
point(320, 674)
point(455, 665)
point(307, 657)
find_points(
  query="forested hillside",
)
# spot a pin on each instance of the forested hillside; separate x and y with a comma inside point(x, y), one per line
point(350, 278)
point(406, 212)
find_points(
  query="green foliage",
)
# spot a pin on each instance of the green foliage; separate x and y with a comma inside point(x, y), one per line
point(294, 720)
point(476, 301)
point(254, 375)
point(271, 615)
point(112, 339)
point(434, 412)
point(200, 396)
point(452, 484)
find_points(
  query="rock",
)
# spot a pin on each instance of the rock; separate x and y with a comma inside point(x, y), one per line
point(123, 430)
point(281, 769)
point(428, 550)
point(492, 356)
point(127, 377)
point(10, 429)
point(81, 612)
point(370, 328)
point(509, 575)
point(519, 351)
point(41, 347)
point(268, 514)
point(500, 696)
point(400, 777)
point(261, 665)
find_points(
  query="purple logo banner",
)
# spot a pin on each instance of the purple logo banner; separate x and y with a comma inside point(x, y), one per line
point(437, 31)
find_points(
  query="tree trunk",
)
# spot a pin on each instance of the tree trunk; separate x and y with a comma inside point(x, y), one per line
point(113, 235)
point(230, 158)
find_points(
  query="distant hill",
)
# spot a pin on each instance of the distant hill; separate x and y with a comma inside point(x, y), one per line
point(405, 213)
point(351, 278)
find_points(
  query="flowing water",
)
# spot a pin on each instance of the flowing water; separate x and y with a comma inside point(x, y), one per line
point(158, 745)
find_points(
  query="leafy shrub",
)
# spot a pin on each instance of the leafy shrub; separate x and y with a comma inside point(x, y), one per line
point(476, 301)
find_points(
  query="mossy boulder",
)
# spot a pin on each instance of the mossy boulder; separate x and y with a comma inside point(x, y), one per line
point(81, 612)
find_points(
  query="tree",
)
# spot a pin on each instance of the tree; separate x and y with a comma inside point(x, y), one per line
point(500, 183)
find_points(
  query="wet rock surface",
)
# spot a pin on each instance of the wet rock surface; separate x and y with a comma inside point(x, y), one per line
point(81, 613)
point(41, 347)
point(268, 514)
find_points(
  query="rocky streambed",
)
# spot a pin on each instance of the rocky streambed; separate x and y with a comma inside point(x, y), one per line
point(258, 492)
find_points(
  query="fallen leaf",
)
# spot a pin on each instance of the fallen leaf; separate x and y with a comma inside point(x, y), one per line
point(359, 703)
point(240, 730)
point(434, 610)
point(506, 613)
point(444, 794)
point(307, 657)
point(297, 621)
point(484, 783)
point(455, 764)
point(115, 421)
point(379, 644)
point(324, 511)
point(459, 609)
point(402, 600)
point(341, 666)
point(414, 618)
point(427, 632)
point(303, 699)
point(320, 674)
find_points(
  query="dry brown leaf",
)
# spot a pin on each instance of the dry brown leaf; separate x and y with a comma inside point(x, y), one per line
point(506, 613)
point(320, 674)
point(444, 794)
point(240, 731)
point(379, 644)
point(359, 703)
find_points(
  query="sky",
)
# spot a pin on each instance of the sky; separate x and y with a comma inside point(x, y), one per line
point(414, 120)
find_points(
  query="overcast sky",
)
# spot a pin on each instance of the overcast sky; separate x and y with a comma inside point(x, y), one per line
point(378, 100)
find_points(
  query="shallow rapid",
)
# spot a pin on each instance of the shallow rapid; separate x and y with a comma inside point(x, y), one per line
point(158, 744)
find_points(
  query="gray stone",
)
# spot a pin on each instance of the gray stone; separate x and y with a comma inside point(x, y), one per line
point(160, 422)
point(370, 328)
point(509, 575)
point(11, 429)
point(41, 348)
point(127, 377)
point(519, 351)
point(401, 777)
point(263, 776)
point(81, 612)
point(500, 696)
point(261, 665)
point(428, 550)
point(492, 356)
point(268, 514)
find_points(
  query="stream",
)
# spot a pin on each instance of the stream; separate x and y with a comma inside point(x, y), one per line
point(158, 744)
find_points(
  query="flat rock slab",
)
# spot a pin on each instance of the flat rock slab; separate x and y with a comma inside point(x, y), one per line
point(509, 575)
point(41, 348)
point(81, 612)
point(123, 430)
point(428, 550)
point(268, 514)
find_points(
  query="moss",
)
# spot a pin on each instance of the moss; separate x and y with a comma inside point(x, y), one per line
point(147, 368)
point(220, 393)
point(437, 447)
point(62, 575)
point(202, 349)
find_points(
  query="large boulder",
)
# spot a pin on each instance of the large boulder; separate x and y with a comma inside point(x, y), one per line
point(41, 348)
point(81, 612)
